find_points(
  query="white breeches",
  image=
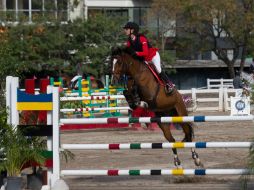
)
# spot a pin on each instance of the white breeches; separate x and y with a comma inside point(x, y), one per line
point(157, 62)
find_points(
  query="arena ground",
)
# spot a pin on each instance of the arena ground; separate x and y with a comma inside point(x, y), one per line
point(223, 158)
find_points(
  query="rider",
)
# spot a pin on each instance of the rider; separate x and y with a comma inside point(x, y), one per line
point(143, 49)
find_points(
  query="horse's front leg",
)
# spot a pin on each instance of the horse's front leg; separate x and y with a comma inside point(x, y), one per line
point(168, 135)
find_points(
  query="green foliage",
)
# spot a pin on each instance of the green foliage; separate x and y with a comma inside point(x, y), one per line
point(17, 150)
point(167, 57)
point(44, 49)
point(48, 47)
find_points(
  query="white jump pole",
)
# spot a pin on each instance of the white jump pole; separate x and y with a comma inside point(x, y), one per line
point(142, 172)
point(138, 146)
point(8, 97)
point(13, 114)
point(55, 136)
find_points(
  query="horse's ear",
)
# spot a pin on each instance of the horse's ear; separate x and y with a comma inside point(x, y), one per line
point(113, 49)
point(116, 51)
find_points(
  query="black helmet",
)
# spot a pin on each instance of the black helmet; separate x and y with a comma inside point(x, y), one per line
point(132, 25)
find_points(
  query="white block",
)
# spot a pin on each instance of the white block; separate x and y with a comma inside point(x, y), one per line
point(45, 187)
point(240, 106)
point(60, 184)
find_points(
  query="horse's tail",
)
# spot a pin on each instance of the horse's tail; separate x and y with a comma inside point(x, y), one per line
point(189, 135)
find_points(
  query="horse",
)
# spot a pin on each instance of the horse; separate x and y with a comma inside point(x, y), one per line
point(123, 62)
point(72, 82)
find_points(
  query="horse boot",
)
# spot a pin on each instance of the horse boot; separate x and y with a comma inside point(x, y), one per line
point(168, 84)
point(136, 98)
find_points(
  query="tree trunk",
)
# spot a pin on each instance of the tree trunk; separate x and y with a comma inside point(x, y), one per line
point(244, 52)
point(231, 69)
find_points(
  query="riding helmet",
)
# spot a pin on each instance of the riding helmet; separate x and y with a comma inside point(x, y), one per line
point(132, 25)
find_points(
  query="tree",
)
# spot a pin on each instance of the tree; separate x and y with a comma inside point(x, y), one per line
point(49, 49)
point(166, 28)
point(56, 47)
point(218, 26)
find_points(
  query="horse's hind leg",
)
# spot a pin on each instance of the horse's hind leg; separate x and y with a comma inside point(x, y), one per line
point(168, 135)
point(188, 130)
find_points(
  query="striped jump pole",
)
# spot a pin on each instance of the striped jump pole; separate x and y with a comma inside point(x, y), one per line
point(109, 97)
point(76, 94)
point(157, 119)
point(157, 145)
point(93, 109)
point(116, 172)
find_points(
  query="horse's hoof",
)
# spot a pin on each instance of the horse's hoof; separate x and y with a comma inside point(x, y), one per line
point(201, 165)
point(177, 162)
point(195, 155)
point(197, 162)
point(143, 125)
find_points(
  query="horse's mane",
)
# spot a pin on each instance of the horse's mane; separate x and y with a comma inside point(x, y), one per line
point(127, 50)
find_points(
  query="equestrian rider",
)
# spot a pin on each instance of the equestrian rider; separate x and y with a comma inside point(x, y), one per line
point(139, 43)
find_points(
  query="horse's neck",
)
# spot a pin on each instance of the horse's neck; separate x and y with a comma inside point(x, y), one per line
point(137, 70)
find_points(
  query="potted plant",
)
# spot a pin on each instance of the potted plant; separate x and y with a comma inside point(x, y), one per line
point(17, 151)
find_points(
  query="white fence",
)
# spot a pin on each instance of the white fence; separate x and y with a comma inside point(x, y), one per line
point(210, 99)
point(219, 83)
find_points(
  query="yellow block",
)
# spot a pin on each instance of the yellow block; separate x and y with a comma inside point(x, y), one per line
point(34, 106)
point(177, 119)
point(57, 83)
point(85, 89)
point(86, 101)
point(178, 145)
point(84, 82)
point(177, 171)
point(86, 114)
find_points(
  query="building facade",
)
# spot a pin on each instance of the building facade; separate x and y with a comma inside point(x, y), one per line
point(64, 10)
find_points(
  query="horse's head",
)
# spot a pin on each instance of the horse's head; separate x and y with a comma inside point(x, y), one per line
point(118, 65)
point(121, 62)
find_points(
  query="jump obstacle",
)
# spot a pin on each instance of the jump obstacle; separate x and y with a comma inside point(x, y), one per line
point(84, 89)
point(86, 111)
point(52, 102)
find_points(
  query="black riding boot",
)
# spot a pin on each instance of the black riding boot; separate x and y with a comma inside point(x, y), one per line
point(168, 85)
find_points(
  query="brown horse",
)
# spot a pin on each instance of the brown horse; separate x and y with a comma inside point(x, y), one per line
point(123, 62)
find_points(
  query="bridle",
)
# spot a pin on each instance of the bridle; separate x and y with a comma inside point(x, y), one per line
point(124, 65)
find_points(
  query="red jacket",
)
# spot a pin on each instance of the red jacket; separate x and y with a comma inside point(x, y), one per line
point(142, 47)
